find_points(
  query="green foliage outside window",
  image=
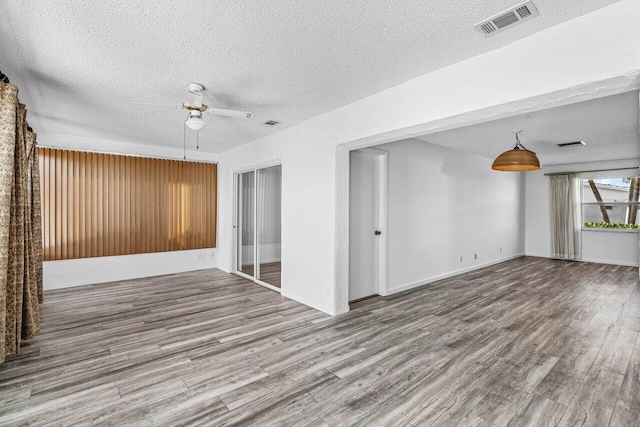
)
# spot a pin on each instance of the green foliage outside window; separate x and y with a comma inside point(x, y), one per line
point(610, 225)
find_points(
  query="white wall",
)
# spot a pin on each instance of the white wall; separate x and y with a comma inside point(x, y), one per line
point(597, 246)
point(567, 63)
point(610, 247)
point(444, 205)
point(76, 272)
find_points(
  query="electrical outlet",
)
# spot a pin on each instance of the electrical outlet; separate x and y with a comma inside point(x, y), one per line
point(201, 256)
point(475, 256)
point(460, 259)
point(213, 254)
point(500, 250)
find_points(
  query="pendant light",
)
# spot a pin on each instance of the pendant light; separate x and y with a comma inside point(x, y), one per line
point(517, 160)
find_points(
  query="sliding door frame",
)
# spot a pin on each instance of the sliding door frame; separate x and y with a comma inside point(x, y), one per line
point(234, 231)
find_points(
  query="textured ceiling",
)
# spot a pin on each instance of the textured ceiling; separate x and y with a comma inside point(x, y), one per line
point(80, 64)
point(608, 126)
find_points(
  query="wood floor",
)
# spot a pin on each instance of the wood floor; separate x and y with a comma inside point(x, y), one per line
point(527, 342)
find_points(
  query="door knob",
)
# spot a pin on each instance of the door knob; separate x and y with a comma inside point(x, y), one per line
point(378, 232)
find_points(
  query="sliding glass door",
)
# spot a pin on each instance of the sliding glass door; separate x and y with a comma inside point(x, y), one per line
point(258, 225)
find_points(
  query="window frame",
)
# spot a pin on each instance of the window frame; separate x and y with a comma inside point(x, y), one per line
point(584, 180)
point(104, 204)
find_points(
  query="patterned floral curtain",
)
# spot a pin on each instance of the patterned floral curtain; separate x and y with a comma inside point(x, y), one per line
point(20, 226)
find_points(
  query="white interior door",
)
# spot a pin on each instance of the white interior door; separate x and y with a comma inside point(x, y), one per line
point(365, 222)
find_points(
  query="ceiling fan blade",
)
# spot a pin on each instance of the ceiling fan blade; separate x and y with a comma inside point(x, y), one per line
point(229, 113)
point(175, 107)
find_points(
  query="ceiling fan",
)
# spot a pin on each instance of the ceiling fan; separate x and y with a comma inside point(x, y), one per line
point(194, 118)
point(197, 108)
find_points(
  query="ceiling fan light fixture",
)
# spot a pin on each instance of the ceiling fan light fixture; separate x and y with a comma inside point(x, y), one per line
point(195, 123)
point(517, 160)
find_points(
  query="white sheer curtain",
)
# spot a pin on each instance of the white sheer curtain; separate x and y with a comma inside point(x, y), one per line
point(566, 216)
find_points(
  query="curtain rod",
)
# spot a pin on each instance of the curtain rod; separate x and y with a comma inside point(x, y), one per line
point(594, 170)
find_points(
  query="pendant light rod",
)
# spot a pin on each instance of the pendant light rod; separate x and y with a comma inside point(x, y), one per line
point(184, 139)
point(519, 144)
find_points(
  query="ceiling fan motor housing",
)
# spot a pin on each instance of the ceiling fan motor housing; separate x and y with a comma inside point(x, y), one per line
point(195, 87)
point(193, 108)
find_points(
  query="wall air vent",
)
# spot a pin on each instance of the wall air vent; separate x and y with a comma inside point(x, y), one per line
point(571, 144)
point(507, 18)
point(270, 123)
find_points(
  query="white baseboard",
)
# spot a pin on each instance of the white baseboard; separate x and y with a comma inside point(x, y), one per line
point(594, 260)
point(303, 299)
point(422, 282)
point(600, 261)
point(539, 255)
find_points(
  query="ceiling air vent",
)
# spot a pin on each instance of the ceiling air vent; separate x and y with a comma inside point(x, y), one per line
point(506, 18)
point(571, 144)
point(270, 123)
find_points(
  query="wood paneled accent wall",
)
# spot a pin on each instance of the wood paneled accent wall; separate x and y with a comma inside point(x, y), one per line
point(103, 204)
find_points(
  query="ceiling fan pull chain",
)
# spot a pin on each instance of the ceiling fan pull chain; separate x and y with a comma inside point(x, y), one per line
point(184, 140)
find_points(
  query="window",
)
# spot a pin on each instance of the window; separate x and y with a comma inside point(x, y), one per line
point(102, 204)
point(610, 203)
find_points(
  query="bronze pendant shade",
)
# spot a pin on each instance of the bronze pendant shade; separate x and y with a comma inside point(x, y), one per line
point(517, 160)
